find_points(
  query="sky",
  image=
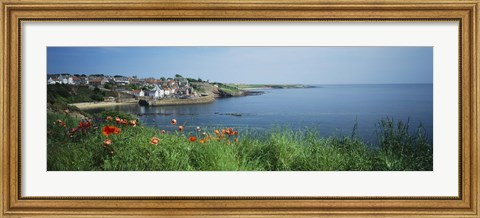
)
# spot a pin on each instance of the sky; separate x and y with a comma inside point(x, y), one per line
point(252, 65)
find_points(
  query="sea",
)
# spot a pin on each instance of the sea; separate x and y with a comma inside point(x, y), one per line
point(332, 110)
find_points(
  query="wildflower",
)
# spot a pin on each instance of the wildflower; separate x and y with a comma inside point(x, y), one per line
point(227, 131)
point(202, 141)
point(61, 123)
point(180, 128)
point(124, 121)
point(107, 143)
point(216, 131)
point(235, 140)
point(117, 119)
point(133, 123)
point(109, 118)
point(163, 131)
point(235, 132)
point(204, 133)
point(173, 122)
point(73, 130)
point(192, 138)
point(84, 124)
point(199, 129)
point(154, 140)
point(107, 130)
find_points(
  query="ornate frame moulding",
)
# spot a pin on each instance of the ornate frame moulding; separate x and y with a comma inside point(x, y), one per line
point(14, 13)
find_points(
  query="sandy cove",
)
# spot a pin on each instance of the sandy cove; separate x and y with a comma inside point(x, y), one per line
point(100, 104)
point(162, 102)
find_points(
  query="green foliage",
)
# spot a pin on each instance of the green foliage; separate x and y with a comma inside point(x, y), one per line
point(108, 85)
point(401, 150)
point(281, 150)
point(66, 94)
point(118, 114)
point(178, 75)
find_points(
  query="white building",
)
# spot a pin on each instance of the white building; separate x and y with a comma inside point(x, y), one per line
point(138, 93)
point(156, 92)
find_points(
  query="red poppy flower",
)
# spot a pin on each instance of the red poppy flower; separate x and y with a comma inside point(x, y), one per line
point(173, 122)
point(109, 118)
point(107, 142)
point(192, 138)
point(107, 130)
point(154, 140)
point(117, 119)
point(133, 123)
point(61, 123)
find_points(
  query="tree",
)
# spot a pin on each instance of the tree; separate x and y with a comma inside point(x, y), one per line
point(178, 75)
point(108, 86)
point(199, 80)
point(163, 79)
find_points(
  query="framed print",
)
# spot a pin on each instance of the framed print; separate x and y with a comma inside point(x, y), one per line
point(227, 108)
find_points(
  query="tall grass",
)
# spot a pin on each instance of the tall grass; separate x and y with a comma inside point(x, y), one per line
point(282, 149)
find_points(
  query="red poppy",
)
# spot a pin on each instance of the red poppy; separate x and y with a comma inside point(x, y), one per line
point(107, 142)
point(107, 130)
point(173, 122)
point(154, 140)
point(117, 119)
point(109, 118)
point(61, 123)
point(133, 123)
point(192, 138)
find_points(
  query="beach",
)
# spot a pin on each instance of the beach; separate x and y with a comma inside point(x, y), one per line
point(100, 104)
point(162, 102)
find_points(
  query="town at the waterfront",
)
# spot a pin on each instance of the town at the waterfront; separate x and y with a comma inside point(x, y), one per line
point(108, 90)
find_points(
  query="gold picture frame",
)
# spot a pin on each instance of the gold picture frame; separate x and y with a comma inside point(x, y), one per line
point(14, 12)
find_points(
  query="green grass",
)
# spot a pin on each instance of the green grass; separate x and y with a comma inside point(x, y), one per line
point(281, 150)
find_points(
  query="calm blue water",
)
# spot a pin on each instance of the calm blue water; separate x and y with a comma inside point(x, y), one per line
point(332, 109)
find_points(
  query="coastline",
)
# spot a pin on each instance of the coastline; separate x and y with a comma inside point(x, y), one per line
point(167, 102)
point(99, 104)
point(163, 102)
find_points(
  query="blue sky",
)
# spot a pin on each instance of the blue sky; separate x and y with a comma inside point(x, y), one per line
point(279, 65)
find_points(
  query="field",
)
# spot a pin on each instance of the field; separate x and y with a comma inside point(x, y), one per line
point(114, 141)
